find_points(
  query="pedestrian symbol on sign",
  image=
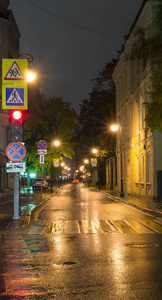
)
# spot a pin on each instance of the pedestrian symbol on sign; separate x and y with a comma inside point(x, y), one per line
point(14, 97)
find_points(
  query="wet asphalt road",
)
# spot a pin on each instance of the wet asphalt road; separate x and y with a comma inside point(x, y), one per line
point(83, 245)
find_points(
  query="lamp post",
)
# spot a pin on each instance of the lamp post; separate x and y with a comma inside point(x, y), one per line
point(96, 170)
point(114, 128)
point(56, 144)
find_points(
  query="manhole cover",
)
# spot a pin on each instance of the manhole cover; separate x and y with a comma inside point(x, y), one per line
point(69, 263)
point(142, 245)
point(66, 263)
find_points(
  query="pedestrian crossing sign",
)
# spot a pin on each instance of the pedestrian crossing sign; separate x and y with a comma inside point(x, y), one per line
point(94, 162)
point(14, 71)
point(56, 162)
point(14, 96)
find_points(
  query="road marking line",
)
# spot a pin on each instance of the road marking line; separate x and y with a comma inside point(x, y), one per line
point(153, 225)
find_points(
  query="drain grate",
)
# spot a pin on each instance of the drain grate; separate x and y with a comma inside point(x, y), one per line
point(142, 245)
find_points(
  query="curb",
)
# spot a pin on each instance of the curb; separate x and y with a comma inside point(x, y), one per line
point(26, 219)
point(154, 213)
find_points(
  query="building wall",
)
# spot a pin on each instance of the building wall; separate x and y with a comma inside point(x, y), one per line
point(140, 149)
point(9, 48)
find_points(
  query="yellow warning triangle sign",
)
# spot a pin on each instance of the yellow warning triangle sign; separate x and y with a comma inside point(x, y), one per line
point(14, 73)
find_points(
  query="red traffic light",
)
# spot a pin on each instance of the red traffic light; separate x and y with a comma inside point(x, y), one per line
point(17, 115)
point(16, 126)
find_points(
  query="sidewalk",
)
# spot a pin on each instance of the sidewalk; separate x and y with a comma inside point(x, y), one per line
point(28, 201)
point(148, 205)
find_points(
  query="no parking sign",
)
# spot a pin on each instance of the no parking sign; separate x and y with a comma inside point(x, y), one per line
point(42, 144)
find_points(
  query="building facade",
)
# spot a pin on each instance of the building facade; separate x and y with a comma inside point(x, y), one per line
point(138, 162)
point(9, 48)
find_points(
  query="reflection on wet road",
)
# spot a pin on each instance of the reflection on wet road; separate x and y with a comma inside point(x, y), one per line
point(83, 245)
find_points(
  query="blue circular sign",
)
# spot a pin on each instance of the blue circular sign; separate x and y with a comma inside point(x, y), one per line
point(16, 151)
point(42, 144)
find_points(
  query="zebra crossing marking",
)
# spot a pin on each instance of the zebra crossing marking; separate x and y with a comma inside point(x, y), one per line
point(96, 227)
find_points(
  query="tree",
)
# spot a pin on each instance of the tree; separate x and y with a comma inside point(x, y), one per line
point(148, 45)
point(54, 119)
point(96, 114)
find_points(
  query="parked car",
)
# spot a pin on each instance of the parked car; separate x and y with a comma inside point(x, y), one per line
point(37, 184)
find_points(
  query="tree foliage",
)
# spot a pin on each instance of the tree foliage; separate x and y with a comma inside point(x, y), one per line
point(96, 113)
point(148, 45)
point(55, 119)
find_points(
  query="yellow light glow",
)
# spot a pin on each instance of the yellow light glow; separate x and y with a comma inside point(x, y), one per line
point(86, 161)
point(94, 150)
point(30, 76)
point(56, 143)
point(114, 127)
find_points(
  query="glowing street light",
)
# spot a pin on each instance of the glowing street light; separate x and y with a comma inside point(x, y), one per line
point(114, 127)
point(56, 143)
point(94, 151)
point(30, 76)
point(86, 161)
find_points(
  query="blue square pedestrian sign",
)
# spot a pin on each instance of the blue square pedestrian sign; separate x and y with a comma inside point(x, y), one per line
point(14, 96)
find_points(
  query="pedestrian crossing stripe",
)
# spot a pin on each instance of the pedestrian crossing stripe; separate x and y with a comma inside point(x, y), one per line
point(96, 227)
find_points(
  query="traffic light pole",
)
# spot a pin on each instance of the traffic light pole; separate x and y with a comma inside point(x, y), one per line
point(16, 197)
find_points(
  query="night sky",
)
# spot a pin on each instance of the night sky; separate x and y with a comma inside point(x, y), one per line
point(71, 40)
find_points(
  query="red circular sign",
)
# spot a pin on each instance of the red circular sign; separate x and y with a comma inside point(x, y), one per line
point(42, 144)
point(16, 151)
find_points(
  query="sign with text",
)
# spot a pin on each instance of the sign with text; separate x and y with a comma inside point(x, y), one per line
point(15, 167)
point(41, 151)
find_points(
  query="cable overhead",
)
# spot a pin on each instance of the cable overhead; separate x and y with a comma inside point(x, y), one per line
point(123, 10)
point(75, 24)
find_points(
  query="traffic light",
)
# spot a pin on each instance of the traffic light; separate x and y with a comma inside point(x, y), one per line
point(16, 126)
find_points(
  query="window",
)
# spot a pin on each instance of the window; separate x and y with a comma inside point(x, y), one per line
point(148, 167)
point(129, 120)
point(141, 113)
point(137, 169)
point(142, 167)
point(136, 118)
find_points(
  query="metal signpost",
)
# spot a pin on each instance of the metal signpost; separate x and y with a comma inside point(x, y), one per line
point(42, 151)
point(16, 152)
point(14, 96)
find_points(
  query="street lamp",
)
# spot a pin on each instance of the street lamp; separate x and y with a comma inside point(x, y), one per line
point(96, 170)
point(116, 127)
point(30, 76)
point(86, 161)
point(94, 151)
point(56, 143)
